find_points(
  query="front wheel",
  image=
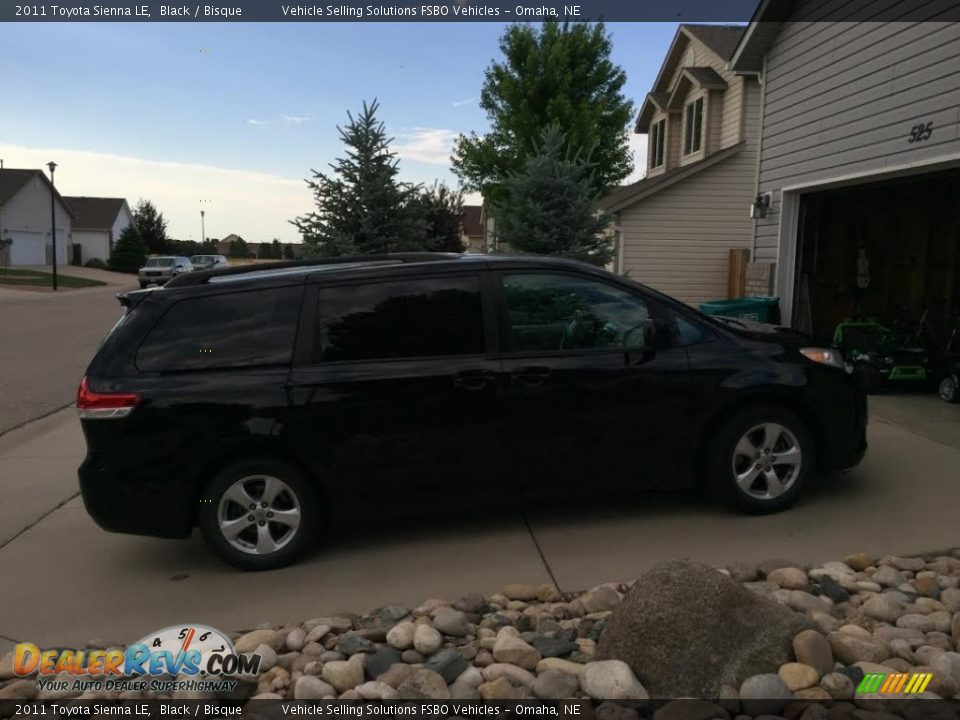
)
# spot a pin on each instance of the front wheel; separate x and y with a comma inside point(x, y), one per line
point(259, 514)
point(949, 390)
point(761, 458)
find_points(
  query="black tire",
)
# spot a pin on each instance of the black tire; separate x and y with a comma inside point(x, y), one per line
point(143, 285)
point(297, 494)
point(745, 429)
point(949, 389)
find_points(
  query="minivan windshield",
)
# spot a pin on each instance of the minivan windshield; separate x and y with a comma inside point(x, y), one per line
point(159, 262)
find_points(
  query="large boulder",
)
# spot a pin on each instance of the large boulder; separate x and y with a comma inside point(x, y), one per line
point(686, 630)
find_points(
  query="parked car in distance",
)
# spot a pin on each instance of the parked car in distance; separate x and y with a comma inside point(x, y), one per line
point(262, 403)
point(209, 262)
point(161, 269)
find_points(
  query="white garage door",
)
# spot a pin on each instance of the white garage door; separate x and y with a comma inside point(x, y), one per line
point(27, 248)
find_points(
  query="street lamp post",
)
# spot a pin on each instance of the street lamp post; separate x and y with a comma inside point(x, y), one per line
point(53, 220)
point(203, 229)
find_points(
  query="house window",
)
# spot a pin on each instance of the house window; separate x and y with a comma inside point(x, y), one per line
point(657, 143)
point(693, 127)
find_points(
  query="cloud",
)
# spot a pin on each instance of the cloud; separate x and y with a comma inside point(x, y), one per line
point(461, 103)
point(427, 145)
point(253, 204)
point(295, 119)
point(259, 123)
point(638, 146)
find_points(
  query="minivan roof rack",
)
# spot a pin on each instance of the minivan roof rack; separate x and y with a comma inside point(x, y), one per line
point(296, 267)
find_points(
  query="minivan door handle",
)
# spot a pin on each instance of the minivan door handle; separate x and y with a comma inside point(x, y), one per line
point(474, 379)
point(532, 376)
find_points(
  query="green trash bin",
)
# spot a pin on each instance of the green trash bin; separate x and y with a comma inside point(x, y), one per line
point(759, 309)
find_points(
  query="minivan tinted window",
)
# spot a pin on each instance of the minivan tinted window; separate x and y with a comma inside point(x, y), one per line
point(401, 319)
point(238, 329)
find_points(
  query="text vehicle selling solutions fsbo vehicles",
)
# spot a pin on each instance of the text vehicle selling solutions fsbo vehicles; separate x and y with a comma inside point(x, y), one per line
point(262, 403)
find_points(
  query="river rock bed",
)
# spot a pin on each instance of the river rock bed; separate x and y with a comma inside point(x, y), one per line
point(864, 614)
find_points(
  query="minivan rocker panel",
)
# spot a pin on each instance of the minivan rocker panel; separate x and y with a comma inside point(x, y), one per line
point(263, 404)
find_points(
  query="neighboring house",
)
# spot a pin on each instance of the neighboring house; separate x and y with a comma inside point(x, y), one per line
point(97, 225)
point(472, 232)
point(674, 229)
point(223, 246)
point(859, 161)
point(25, 198)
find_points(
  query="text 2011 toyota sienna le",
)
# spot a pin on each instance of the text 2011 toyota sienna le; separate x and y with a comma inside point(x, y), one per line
point(260, 404)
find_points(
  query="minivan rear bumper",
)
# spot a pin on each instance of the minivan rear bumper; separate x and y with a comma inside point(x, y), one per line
point(133, 505)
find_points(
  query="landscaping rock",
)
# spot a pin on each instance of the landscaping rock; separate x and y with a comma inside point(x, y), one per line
point(656, 629)
point(611, 680)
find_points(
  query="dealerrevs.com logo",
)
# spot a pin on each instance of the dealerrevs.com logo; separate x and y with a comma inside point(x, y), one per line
point(177, 658)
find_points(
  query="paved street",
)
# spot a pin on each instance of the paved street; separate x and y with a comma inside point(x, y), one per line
point(75, 582)
point(48, 339)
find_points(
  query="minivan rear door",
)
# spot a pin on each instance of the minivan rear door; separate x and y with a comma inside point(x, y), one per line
point(396, 390)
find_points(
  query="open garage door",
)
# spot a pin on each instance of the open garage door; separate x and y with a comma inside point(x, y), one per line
point(887, 252)
point(27, 248)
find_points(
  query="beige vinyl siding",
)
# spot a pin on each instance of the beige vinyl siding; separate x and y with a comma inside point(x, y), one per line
point(842, 98)
point(678, 239)
point(731, 115)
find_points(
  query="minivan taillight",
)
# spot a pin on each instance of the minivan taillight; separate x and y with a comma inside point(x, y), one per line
point(100, 406)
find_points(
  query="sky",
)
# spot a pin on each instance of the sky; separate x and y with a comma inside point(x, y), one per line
point(230, 118)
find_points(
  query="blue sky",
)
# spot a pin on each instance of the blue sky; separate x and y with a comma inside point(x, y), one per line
point(237, 114)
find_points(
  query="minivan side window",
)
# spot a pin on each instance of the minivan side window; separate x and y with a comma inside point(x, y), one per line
point(555, 312)
point(422, 317)
point(228, 330)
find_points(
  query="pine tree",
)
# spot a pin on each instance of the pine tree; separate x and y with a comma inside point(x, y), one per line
point(440, 208)
point(361, 207)
point(129, 254)
point(152, 227)
point(550, 207)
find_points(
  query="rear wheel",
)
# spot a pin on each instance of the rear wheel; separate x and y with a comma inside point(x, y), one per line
point(259, 514)
point(949, 390)
point(761, 458)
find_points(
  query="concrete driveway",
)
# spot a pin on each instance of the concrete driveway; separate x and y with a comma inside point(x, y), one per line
point(47, 339)
point(67, 582)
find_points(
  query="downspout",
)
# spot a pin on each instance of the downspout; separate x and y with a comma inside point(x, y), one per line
point(762, 80)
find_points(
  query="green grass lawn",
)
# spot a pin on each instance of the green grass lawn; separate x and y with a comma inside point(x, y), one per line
point(36, 278)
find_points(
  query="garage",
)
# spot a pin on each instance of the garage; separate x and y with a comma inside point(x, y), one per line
point(27, 248)
point(885, 252)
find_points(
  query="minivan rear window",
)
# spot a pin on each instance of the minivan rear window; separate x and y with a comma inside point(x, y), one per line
point(227, 330)
point(427, 317)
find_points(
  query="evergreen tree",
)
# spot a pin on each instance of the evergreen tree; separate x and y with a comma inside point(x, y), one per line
point(288, 253)
point(440, 208)
point(550, 207)
point(558, 74)
point(152, 227)
point(239, 248)
point(129, 254)
point(361, 207)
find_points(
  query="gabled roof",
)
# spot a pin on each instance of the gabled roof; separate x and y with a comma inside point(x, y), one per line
point(92, 213)
point(721, 40)
point(698, 77)
point(622, 197)
point(471, 220)
point(13, 181)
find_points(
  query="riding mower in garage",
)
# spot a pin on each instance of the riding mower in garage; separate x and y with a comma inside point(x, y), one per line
point(880, 356)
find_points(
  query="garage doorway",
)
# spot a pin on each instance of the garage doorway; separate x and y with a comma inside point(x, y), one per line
point(884, 251)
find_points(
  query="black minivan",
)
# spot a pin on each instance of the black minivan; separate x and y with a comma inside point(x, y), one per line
point(264, 402)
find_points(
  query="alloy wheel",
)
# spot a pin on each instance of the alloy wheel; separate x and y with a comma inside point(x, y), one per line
point(948, 389)
point(766, 461)
point(259, 514)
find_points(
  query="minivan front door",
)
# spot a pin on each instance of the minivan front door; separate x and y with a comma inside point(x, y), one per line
point(399, 400)
point(595, 399)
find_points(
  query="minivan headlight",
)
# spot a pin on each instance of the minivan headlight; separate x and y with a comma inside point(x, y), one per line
point(824, 356)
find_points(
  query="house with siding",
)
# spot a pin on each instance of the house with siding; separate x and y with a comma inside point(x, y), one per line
point(858, 167)
point(25, 218)
point(675, 228)
point(98, 224)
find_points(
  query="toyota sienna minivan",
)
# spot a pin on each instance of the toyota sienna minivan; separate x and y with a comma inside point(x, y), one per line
point(260, 404)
